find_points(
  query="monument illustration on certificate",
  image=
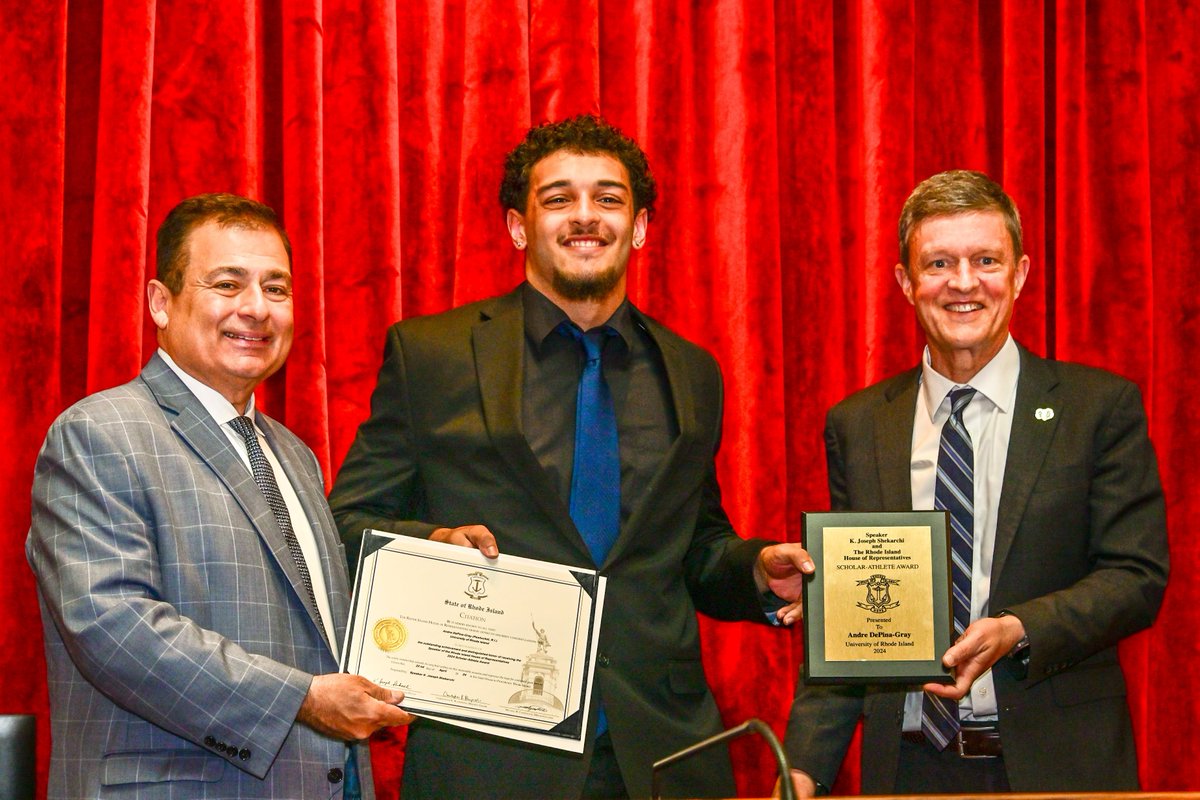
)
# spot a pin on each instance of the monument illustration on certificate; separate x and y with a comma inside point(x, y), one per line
point(877, 610)
point(504, 646)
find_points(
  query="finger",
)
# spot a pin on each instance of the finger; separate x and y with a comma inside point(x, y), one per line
point(483, 540)
point(803, 560)
point(394, 716)
point(790, 613)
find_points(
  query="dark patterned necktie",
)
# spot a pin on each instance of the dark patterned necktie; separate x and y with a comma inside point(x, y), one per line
point(954, 492)
point(264, 476)
point(596, 470)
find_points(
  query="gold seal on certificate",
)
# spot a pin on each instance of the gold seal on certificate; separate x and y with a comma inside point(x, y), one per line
point(389, 634)
point(877, 609)
point(506, 646)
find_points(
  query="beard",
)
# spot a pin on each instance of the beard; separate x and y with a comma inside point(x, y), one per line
point(593, 286)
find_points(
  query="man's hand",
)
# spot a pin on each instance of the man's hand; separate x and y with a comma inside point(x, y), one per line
point(982, 644)
point(477, 536)
point(781, 568)
point(350, 707)
point(803, 785)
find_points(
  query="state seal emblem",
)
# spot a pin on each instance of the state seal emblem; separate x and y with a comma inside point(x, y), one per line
point(389, 634)
point(879, 596)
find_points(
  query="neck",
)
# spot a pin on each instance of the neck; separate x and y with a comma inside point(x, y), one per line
point(961, 365)
point(587, 314)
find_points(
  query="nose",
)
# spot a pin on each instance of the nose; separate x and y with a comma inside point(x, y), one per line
point(962, 276)
point(252, 302)
point(586, 210)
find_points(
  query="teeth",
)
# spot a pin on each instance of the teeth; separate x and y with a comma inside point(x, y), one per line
point(585, 243)
point(246, 338)
point(964, 306)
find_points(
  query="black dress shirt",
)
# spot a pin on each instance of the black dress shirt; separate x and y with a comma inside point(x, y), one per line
point(637, 380)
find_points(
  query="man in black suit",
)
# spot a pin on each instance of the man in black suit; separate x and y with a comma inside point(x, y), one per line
point(473, 440)
point(1067, 534)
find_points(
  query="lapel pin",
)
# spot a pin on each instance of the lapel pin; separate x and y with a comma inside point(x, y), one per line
point(1043, 414)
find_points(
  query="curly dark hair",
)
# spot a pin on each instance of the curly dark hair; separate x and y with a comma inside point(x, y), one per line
point(586, 134)
point(227, 210)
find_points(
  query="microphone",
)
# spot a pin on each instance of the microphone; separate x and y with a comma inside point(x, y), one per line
point(786, 791)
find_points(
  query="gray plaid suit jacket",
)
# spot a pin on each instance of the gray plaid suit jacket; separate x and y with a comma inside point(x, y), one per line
point(180, 641)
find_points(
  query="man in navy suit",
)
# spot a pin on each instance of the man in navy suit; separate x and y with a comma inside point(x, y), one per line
point(1068, 542)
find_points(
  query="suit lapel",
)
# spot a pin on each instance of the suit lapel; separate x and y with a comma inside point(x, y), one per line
point(1028, 443)
point(893, 442)
point(660, 492)
point(200, 432)
point(498, 340)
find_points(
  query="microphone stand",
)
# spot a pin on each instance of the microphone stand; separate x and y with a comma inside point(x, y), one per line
point(786, 791)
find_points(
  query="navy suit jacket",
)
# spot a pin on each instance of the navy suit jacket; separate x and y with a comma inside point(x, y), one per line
point(1080, 558)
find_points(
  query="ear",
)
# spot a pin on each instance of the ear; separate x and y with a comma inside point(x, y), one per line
point(516, 228)
point(1019, 276)
point(640, 222)
point(905, 282)
point(158, 298)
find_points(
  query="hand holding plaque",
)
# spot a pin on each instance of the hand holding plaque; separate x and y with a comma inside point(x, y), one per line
point(878, 607)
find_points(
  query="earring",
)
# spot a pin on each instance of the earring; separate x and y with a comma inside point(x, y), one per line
point(519, 244)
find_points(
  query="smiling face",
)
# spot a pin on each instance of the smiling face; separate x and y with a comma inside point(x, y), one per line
point(579, 225)
point(230, 325)
point(963, 278)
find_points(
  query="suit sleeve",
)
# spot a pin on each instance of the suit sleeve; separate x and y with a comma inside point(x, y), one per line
point(1126, 549)
point(823, 718)
point(92, 547)
point(379, 484)
point(719, 566)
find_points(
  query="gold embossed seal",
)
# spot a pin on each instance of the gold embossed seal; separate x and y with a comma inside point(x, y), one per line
point(389, 634)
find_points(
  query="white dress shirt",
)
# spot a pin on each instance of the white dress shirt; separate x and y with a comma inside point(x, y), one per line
point(223, 412)
point(988, 419)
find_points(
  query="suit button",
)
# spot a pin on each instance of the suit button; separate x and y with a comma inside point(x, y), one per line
point(210, 741)
point(222, 747)
point(602, 660)
point(244, 754)
point(335, 775)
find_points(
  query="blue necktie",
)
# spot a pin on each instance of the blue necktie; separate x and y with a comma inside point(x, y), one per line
point(596, 470)
point(954, 492)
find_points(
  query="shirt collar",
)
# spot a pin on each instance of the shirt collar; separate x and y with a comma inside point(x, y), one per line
point(213, 401)
point(542, 316)
point(997, 381)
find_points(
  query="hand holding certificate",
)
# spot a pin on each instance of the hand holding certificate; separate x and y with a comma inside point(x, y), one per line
point(505, 646)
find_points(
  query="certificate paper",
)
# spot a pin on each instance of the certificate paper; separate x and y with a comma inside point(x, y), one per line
point(504, 646)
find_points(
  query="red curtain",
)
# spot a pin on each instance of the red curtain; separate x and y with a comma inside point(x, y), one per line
point(784, 135)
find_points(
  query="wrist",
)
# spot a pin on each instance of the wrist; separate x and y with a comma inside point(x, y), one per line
point(1016, 636)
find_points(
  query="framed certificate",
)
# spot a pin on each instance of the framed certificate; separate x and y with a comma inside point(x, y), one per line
point(505, 646)
point(877, 610)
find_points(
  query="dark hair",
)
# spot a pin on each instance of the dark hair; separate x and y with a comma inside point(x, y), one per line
point(586, 134)
point(227, 210)
point(957, 191)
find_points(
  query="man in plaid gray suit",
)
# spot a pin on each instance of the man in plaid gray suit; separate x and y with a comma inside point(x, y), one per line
point(193, 587)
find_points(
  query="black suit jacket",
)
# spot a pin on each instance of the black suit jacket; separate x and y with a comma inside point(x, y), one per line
point(444, 447)
point(1080, 557)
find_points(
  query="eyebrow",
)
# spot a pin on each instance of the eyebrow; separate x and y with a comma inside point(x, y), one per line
point(565, 183)
point(242, 272)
